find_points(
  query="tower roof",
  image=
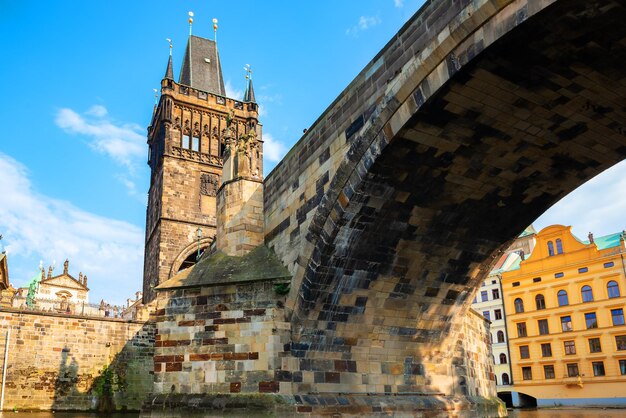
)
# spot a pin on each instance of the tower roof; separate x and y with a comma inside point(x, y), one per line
point(249, 95)
point(201, 66)
point(169, 71)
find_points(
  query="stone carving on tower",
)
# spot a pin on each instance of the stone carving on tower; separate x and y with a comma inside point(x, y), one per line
point(188, 139)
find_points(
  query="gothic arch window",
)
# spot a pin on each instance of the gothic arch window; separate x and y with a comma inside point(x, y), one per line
point(559, 246)
point(505, 379)
point(550, 248)
point(500, 336)
point(587, 293)
point(519, 305)
point(540, 302)
point(612, 289)
point(562, 297)
point(503, 358)
point(191, 259)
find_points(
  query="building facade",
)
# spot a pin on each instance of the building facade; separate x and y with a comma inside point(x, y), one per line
point(565, 314)
point(186, 140)
point(489, 302)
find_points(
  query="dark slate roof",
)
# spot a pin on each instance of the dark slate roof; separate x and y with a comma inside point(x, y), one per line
point(249, 96)
point(201, 66)
point(169, 71)
point(218, 268)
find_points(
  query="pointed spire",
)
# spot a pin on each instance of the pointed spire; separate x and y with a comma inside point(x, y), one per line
point(169, 71)
point(249, 97)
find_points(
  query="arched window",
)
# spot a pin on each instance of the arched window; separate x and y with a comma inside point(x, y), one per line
point(502, 358)
point(519, 305)
point(540, 302)
point(500, 336)
point(613, 289)
point(505, 379)
point(562, 296)
point(550, 248)
point(587, 293)
point(559, 246)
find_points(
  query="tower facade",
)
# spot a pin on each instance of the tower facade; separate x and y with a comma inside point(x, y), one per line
point(186, 141)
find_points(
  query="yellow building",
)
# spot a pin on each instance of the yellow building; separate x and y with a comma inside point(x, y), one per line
point(565, 316)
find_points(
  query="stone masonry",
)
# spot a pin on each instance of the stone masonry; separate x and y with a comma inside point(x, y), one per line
point(75, 363)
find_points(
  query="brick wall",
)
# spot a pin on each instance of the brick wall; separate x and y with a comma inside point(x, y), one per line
point(57, 362)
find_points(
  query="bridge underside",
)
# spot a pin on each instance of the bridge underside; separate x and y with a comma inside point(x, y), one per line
point(407, 242)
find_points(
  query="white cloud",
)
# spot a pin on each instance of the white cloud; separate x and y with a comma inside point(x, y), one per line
point(273, 150)
point(364, 23)
point(597, 206)
point(125, 143)
point(398, 3)
point(233, 92)
point(38, 227)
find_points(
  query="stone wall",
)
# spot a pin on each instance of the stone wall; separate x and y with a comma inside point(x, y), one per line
point(75, 363)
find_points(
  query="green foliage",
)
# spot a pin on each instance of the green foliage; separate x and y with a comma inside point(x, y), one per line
point(281, 288)
point(111, 380)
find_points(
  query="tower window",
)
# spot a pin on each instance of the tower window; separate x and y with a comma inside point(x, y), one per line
point(195, 144)
point(186, 144)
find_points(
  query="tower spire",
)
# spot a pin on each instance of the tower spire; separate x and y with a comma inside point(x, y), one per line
point(249, 94)
point(169, 71)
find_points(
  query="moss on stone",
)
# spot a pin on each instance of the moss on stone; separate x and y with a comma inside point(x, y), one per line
point(219, 268)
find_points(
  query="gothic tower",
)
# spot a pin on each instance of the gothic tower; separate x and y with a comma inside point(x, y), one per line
point(186, 140)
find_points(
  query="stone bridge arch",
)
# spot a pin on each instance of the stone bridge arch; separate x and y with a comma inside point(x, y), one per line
point(505, 108)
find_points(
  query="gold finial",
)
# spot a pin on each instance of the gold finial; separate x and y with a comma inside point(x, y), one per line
point(215, 30)
point(169, 41)
point(190, 21)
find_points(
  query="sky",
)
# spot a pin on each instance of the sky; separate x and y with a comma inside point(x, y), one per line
point(78, 80)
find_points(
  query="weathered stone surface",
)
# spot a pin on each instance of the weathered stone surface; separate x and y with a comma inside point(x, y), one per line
point(76, 363)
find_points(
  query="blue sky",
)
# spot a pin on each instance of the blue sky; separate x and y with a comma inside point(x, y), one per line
point(78, 95)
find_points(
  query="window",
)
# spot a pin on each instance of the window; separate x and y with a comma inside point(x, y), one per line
point(620, 342)
point(498, 313)
point(502, 358)
point(570, 347)
point(507, 381)
point(486, 315)
point(590, 320)
point(474, 300)
point(612, 289)
point(527, 373)
point(609, 264)
point(550, 248)
point(484, 297)
point(559, 246)
point(495, 293)
point(540, 302)
point(562, 296)
point(572, 369)
point(618, 316)
point(558, 275)
point(583, 270)
point(536, 279)
point(521, 329)
point(594, 345)
point(524, 352)
point(548, 372)
point(566, 323)
point(622, 367)
point(515, 284)
point(519, 305)
point(587, 293)
point(543, 327)
point(195, 144)
point(500, 336)
point(546, 350)
point(493, 282)
point(598, 368)
point(186, 142)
